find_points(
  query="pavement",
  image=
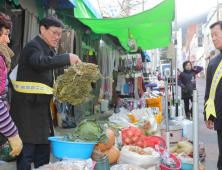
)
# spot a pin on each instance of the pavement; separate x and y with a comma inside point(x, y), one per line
point(208, 137)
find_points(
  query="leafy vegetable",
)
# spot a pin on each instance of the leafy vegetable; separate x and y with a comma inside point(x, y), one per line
point(88, 131)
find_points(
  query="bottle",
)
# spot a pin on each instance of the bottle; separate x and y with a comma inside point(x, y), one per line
point(171, 100)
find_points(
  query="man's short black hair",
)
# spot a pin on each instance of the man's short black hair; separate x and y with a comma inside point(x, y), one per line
point(216, 23)
point(50, 21)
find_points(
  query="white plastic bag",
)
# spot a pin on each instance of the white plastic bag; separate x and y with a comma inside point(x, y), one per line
point(185, 158)
point(144, 161)
point(131, 167)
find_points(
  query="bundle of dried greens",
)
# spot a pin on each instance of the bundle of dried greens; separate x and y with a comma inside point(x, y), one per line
point(74, 85)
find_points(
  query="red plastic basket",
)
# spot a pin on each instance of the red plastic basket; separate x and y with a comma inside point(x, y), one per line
point(162, 141)
point(178, 164)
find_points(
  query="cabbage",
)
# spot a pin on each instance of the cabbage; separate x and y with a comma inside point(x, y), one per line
point(89, 131)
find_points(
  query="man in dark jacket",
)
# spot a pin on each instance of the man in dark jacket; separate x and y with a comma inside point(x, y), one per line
point(31, 112)
point(215, 122)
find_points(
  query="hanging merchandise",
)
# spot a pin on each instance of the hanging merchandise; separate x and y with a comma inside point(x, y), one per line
point(139, 61)
point(74, 85)
point(129, 62)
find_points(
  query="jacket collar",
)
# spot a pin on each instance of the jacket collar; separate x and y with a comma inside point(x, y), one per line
point(45, 46)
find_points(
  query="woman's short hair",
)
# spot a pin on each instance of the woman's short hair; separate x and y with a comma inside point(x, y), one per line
point(185, 63)
point(5, 22)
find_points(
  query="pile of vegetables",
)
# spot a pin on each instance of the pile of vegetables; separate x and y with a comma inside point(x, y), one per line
point(134, 137)
point(108, 148)
point(182, 146)
point(88, 131)
point(148, 125)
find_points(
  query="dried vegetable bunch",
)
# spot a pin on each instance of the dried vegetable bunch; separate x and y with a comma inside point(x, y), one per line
point(74, 85)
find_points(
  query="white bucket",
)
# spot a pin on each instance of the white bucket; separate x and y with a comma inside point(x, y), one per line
point(188, 128)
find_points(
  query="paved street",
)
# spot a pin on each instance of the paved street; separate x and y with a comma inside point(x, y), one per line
point(208, 137)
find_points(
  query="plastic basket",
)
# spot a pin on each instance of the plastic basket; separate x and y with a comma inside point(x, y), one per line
point(161, 140)
point(102, 164)
point(158, 117)
point(154, 100)
point(178, 164)
point(186, 166)
point(68, 149)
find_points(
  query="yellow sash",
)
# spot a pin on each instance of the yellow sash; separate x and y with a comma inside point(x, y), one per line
point(28, 87)
point(210, 108)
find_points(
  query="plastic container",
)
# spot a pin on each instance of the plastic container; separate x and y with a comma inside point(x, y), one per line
point(178, 164)
point(96, 109)
point(186, 166)
point(157, 89)
point(171, 100)
point(68, 149)
point(104, 105)
point(155, 102)
point(175, 135)
point(102, 164)
point(173, 111)
point(188, 128)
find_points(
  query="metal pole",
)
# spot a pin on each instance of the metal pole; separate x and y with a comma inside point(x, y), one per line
point(167, 116)
point(195, 130)
point(175, 43)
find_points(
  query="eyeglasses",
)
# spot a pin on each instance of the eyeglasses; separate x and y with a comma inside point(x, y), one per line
point(56, 34)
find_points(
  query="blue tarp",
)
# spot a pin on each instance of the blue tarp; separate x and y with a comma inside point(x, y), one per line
point(91, 8)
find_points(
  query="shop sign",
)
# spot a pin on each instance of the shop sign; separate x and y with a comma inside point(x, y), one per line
point(184, 56)
point(114, 11)
point(192, 58)
point(199, 36)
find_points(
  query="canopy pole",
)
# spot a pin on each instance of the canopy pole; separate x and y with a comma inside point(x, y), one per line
point(196, 131)
point(167, 115)
point(176, 62)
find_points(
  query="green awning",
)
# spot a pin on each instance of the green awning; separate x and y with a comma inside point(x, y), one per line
point(15, 1)
point(151, 29)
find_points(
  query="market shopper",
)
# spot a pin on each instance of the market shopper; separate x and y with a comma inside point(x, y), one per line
point(7, 127)
point(213, 92)
point(187, 82)
point(31, 112)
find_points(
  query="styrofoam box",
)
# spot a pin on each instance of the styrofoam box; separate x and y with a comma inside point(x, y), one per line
point(175, 135)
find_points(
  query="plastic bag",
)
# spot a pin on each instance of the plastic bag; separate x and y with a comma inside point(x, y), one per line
point(144, 161)
point(69, 164)
point(119, 119)
point(167, 161)
point(185, 158)
point(4, 154)
point(131, 167)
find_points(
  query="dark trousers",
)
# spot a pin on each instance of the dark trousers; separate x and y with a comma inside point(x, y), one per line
point(187, 103)
point(219, 137)
point(31, 153)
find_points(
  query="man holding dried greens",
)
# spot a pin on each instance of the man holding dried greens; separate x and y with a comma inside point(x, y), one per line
point(31, 110)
